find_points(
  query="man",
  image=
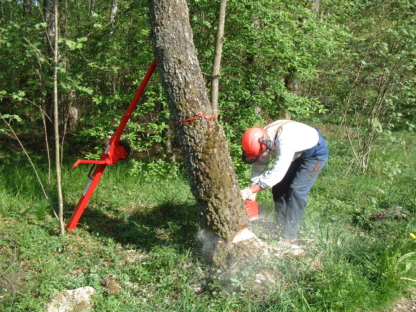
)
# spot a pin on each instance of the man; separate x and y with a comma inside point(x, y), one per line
point(301, 152)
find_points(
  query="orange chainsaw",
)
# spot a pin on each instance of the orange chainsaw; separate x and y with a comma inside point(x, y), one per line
point(254, 210)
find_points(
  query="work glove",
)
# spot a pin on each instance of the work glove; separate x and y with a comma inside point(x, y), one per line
point(252, 197)
point(248, 194)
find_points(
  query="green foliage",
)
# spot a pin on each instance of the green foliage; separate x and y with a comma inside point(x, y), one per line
point(346, 260)
point(366, 81)
point(8, 119)
point(280, 57)
point(155, 170)
point(276, 42)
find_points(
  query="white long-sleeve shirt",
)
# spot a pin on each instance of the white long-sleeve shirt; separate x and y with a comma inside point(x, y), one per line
point(292, 139)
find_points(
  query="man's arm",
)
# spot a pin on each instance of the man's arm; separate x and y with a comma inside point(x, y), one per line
point(250, 192)
point(255, 188)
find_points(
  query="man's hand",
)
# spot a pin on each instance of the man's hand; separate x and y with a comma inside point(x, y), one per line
point(247, 194)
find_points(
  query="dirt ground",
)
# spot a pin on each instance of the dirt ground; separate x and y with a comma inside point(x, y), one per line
point(405, 304)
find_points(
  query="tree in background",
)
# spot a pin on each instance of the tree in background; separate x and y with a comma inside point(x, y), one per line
point(217, 58)
point(53, 38)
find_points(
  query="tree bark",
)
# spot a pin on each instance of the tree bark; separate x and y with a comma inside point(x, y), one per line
point(51, 98)
point(49, 15)
point(27, 7)
point(113, 11)
point(217, 58)
point(92, 7)
point(204, 147)
point(49, 18)
point(56, 123)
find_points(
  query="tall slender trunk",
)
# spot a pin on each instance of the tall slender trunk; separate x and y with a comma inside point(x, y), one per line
point(92, 7)
point(49, 18)
point(56, 122)
point(27, 7)
point(113, 11)
point(217, 58)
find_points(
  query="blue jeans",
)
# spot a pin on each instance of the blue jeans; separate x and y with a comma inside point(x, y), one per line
point(290, 194)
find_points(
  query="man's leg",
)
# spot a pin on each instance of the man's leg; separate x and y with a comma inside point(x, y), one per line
point(291, 206)
point(279, 195)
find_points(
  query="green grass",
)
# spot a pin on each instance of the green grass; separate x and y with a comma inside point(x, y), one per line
point(142, 230)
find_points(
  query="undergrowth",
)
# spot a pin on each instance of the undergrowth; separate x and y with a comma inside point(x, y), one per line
point(142, 229)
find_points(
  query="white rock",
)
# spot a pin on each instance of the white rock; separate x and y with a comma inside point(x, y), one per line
point(71, 300)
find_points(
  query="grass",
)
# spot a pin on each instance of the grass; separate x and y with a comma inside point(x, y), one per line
point(142, 230)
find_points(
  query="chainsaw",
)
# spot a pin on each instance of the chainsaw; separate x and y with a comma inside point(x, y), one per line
point(254, 210)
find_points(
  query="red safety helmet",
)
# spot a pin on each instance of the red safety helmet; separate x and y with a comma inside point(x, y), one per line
point(254, 144)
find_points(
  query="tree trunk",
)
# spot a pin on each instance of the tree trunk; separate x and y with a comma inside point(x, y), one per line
point(27, 7)
point(51, 98)
point(113, 11)
point(92, 7)
point(49, 13)
point(51, 35)
point(49, 17)
point(217, 58)
point(56, 124)
point(204, 147)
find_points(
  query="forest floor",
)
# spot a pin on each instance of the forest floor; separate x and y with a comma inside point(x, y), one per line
point(306, 249)
point(406, 304)
point(142, 230)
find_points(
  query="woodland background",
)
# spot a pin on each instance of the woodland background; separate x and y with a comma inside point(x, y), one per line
point(350, 61)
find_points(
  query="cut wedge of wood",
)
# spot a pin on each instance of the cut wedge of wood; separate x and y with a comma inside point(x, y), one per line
point(243, 235)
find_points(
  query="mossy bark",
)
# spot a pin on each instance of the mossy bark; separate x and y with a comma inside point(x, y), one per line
point(204, 147)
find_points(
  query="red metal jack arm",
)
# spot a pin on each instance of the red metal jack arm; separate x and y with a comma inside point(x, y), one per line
point(115, 151)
